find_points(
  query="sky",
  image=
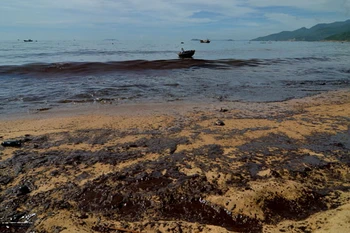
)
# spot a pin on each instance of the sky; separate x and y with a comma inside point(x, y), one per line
point(162, 19)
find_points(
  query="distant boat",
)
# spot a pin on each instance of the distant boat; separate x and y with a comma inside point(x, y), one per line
point(205, 41)
point(186, 53)
point(30, 40)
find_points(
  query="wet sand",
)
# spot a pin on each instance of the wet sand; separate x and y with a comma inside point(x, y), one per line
point(228, 167)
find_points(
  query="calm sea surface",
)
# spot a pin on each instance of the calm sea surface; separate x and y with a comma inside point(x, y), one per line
point(53, 74)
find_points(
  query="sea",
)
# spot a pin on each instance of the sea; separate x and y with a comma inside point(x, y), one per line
point(44, 75)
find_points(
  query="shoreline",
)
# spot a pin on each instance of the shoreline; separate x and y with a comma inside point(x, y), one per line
point(218, 167)
point(150, 107)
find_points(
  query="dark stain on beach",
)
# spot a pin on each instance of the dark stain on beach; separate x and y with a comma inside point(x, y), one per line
point(279, 208)
point(159, 189)
point(172, 196)
point(14, 228)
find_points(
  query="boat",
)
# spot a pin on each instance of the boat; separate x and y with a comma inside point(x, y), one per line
point(186, 53)
point(205, 41)
point(30, 40)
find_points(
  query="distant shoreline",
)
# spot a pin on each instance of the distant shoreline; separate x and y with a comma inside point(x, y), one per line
point(341, 41)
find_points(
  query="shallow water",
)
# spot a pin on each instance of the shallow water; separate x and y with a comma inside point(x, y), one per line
point(51, 74)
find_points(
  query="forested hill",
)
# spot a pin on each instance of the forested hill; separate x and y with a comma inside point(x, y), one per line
point(316, 33)
point(340, 37)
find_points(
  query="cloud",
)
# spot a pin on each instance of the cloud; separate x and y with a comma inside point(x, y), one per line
point(166, 16)
point(165, 10)
point(290, 21)
point(315, 5)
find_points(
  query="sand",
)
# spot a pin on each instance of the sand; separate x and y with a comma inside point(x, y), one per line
point(271, 167)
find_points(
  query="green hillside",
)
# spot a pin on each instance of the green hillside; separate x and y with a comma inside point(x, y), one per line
point(315, 33)
point(340, 37)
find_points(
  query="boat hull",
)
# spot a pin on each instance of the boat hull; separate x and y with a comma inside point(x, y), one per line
point(186, 54)
point(205, 41)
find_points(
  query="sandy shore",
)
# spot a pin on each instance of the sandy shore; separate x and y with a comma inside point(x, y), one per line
point(228, 167)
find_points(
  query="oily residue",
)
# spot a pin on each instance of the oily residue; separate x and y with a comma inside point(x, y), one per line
point(150, 179)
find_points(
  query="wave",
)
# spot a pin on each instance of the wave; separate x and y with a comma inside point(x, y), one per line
point(137, 65)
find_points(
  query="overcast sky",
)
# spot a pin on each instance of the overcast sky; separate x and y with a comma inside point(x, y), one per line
point(162, 19)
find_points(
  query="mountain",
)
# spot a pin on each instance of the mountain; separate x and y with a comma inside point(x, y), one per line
point(315, 33)
point(340, 37)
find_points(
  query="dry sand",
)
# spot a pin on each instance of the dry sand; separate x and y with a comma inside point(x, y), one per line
point(272, 167)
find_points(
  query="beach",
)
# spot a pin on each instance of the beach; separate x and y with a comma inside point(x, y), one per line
point(229, 166)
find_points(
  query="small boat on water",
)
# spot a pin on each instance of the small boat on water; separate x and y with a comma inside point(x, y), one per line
point(205, 41)
point(186, 53)
point(30, 40)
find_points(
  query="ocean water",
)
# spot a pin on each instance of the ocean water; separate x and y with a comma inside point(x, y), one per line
point(53, 74)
